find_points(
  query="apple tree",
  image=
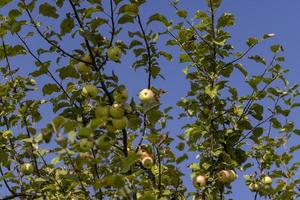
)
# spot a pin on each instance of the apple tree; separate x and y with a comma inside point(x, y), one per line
point(70, 129)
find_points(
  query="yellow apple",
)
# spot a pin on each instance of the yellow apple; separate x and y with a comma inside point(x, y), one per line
point(226, 176)
point(85, 144)
point(120, 123)
point(116, 111)
point(147, 162)
point(254, 187)
point(267, 180)
point(146, 96)
point(199, 181)
point(26, 168)
point(120, 95)
point(90, 91)
point(114, 53)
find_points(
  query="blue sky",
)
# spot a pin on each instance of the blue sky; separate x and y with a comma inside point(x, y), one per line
point(254, 18)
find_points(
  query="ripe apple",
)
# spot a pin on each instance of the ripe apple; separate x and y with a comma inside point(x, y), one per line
point(120, 95)
point(90, 91)
point(233, 175)
point(26, 168)
point(254, 187)
point(104, 142)
point(147, 162)
point(120, 123)
point(114, 53)
point(267, 180)
point(226, 176)
point(62, 141)
point(85, 132)
point(116, 111)
point(85, 144)
point(199, 181)
point(102, 112)
point(146, 96)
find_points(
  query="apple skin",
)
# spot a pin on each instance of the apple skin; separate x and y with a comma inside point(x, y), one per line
point(226, 176)
point(120, 96)
point(267, 180)
point(83, 68)
point(200, 181)
point(147, 162)
point(104, 142)
point(116, 111)
point(26, 168)
point(102, 112)
point(90, 91)
point(254, 187)
point(85, 132)
point(120, 123)
point(85, 144)
point(114, 53)
point(146, 96)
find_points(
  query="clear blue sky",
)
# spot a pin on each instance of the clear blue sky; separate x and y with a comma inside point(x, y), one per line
point(254, 18)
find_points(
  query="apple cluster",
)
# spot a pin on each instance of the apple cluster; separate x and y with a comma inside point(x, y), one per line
point(223, 176)
point(265, 182)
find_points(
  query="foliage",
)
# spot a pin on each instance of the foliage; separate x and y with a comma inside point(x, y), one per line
point(104, 143)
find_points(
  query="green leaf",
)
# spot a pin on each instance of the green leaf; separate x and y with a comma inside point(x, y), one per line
point(50, 88)
point(66, 25)
point(227, 19)
point(4, 2)
point(182, 13)
point(48, 10)
point(129, 161)
point(129, 9)
point(252, 41)
point(160, 18)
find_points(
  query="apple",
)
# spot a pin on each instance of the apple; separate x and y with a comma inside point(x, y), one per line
point(120, 95)
point(199, 181)
point(104, 142)
point(102, 112)
point(62, 141)
point(85, 132)
point(267, 180)
point(147, 162)
point(83, 68)
point(146, 96)
point(226, 176)
point(26, 168)
point(116, 111)
point(254, 187)
point(120, 123)
point(90, 91)
point(114, 53)
point(85, 144)
point(97, 122)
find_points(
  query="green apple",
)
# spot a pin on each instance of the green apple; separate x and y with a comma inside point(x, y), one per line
point(104, 142)
point(97, 122)
point(62, 141)
point(83, 68)
point(114, 53)
point(85, 132)
point(102, 112)
point(254, 187)
point(120, 123)
point(146, 96)
point(116, 111)
point(90, 91)
point(199, 181)
point(267, 180)
point(85, 144)
point(120, 95)
point(147, 162)
point(26, 168)
point(226, 176)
